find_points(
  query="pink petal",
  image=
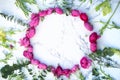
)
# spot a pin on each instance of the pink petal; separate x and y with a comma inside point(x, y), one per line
point(59, 10)
point(28, 55)
point(35, 62)
point(93, 47)
point(42, 66)
point(49, 11)
point(84, 17)
point(75, 13)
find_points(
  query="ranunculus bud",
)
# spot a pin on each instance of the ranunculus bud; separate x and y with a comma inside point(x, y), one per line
point(49, 11)
point(58, 10)
point(84, 17)
point(28, 55)
point(43, 13)
point(75, 13)
point(85, 62)
point(93, 37)
point(93, 47)
point(88, 26)
point(35, 62)
point(42, 66)
point(30, 32)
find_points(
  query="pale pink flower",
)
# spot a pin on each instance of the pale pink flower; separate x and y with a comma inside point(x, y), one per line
point(88, 26)
point(30, 32)
point(43, 13)
point(42, 66)
point(75, 13)
point(84, 17)
point(35, 62)
point(25, 42)
point(28, 55)
point(93, 47)
point(85, 62)
point(58, 10)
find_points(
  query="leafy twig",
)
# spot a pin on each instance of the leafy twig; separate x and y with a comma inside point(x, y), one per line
point(12, 18)
point(105, 26)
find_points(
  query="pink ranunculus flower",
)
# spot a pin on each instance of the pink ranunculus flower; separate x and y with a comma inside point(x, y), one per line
point(30, 32)
point(75, 68)
point(93, 47)
point(34, 20)
point(93, 37)
point(66, 72)
point(30, 48)
point(88, 26)
point(75, 13)
point(42, 66)
point(35, 62)
point(43, 13)
point(25, 42)
point(49, 11)
point(85, 62)
point(84, 17)
point(58, 10)
point(58, 71)
point(28, 55)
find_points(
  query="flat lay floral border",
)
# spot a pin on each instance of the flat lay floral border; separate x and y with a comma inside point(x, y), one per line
point(101, 57)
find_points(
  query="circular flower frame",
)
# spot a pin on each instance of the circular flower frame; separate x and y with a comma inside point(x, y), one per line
point(35, 19)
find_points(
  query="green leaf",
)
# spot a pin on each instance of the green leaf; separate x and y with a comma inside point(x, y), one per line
point(105, 6)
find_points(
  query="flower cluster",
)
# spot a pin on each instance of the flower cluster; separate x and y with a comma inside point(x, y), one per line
point(35, 19)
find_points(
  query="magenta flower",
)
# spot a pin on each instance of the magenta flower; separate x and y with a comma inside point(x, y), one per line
point(35, 62)
point(93, 37)
point(49, 11)
point(28, 55)
point(30, 32)
point(58, 10)
point(93, 47)
point(84, 17)
point(25, 41)
point(43, 13)
point(75, 68)
point(42, 66)
point(58, 71)
point(34, 20)
point(75, 13)
point(85, 62)
point(66, 72)
point(88, 26)
point(30, 48)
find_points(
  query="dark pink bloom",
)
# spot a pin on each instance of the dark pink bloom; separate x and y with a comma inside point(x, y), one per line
point(58, 10)
point(93, 47)
point(30, 32)
point(75, 13)
point(75, 68)
point(42, 66)
point(88, 26)
point(66, 72)
point(30, 48)
point(85, 62)
point(84, 17)
point(43, 13)
point(58, 71)
point(28, 55)
point(93, 37)
point(35, 62)
point(25, 41)
point(34, 20)
point(49, 11)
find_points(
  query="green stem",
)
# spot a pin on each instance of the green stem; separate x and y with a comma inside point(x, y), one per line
point(105, 26)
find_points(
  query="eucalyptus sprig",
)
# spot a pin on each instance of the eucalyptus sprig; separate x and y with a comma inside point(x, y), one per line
point(13, 18)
